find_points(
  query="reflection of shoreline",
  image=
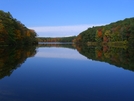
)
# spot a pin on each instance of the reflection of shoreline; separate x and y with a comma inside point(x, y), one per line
point(120, 57)
point(56, 44)
point(11, 58)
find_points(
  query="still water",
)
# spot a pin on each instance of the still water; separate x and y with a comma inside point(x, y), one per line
point(62, 73)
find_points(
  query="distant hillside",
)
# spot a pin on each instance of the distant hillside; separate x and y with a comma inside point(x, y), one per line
point(120, 32)
point(14, 32)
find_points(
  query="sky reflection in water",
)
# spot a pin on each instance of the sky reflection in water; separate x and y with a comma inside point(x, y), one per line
point(64, 53)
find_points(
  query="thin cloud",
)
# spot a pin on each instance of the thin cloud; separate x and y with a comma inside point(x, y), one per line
point(54, 31)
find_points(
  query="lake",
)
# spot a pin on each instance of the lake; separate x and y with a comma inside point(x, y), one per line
point(65, 72)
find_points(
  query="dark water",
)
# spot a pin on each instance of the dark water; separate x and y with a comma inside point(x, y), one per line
point(63, 73)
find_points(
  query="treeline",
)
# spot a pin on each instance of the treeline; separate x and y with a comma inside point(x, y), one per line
point(120, 32)
point(119, 56)
point(57, 39)
point(13, 32)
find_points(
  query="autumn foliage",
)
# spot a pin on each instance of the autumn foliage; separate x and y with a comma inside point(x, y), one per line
point(13, 32)
point(120, 32)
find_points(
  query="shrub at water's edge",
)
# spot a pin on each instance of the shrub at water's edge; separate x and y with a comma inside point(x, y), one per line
point(13, 32)
point(119, 33)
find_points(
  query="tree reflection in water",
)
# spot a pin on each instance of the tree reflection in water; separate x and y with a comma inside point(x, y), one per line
point(12, 57)
point(120, 56)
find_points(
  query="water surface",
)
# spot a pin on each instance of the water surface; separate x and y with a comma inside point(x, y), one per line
point(54, 73)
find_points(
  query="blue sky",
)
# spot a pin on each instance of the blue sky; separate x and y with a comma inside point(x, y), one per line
point(58, 18)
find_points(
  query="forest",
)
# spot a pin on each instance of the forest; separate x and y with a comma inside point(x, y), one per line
point(119, 33)
point(56, 39)
point(13, 32)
